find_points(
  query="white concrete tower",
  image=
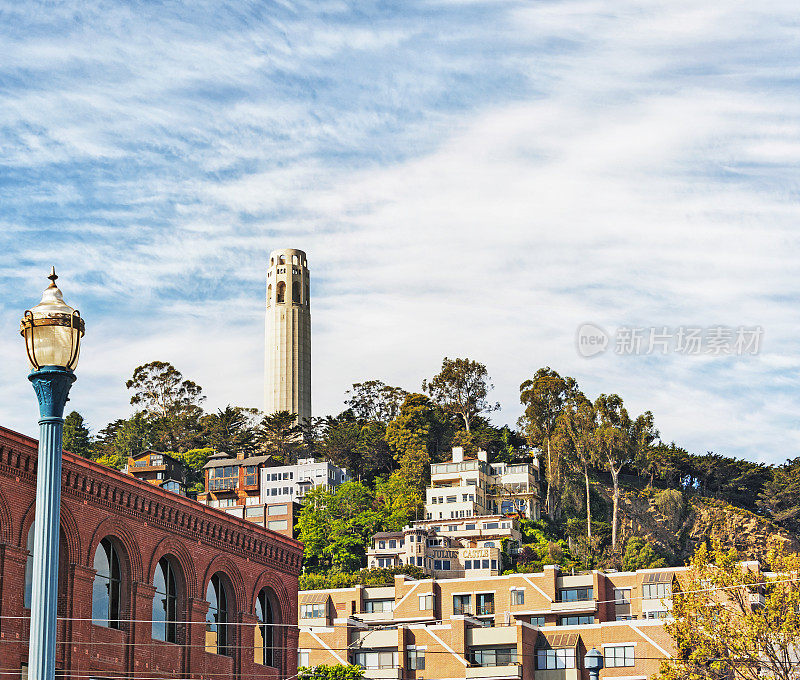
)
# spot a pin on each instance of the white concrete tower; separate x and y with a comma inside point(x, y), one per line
point(287, 361)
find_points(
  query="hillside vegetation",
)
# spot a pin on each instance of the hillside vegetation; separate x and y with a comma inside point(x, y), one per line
point(614, 492)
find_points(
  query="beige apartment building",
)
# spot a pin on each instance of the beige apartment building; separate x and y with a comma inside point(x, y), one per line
point(472, 512)
point(462, 488)
point(516, 626)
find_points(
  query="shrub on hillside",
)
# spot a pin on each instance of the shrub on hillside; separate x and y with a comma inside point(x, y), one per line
point(670, 504)
point(364, 577)
point(640, 555)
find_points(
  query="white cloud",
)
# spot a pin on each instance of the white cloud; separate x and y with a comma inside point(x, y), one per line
point(468, 179)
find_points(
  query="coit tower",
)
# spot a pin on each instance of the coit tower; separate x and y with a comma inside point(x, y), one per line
point(287, 380)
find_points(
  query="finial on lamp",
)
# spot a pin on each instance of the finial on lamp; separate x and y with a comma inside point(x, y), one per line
point(53, 276)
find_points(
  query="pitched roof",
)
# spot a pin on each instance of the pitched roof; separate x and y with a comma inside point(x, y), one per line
point(658, 577)
point(314, 598)
point(388, 534)
point(157, 453)
point(218, 460)
point(556, 640)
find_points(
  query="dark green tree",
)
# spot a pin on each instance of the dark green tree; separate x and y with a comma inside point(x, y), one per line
point(76, 437)
point(280, 436)
point(335, 527)
point(780, 496)
point(231, 430)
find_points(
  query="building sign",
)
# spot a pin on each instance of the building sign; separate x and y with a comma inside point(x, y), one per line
point(447, 554)
point(472, 553)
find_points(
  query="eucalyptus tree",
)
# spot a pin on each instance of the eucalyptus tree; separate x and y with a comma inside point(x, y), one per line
point(544, 397)
point(579, 423)
point(460, 389)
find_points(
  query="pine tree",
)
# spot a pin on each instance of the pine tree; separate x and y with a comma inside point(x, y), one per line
point(76, 437)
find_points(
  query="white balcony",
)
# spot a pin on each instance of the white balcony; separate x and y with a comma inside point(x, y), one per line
point(512, 671)
point(577, 606)
point(492, 636)
point(383, 673)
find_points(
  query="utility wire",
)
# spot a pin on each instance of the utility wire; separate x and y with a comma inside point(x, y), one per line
point(427, 621)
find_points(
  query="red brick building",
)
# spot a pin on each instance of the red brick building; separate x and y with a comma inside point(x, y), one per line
point(151, 584)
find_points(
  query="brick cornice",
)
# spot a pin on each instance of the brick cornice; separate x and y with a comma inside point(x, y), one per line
point(120, 494)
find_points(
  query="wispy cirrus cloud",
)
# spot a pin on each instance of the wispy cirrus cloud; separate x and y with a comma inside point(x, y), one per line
point(468, 178)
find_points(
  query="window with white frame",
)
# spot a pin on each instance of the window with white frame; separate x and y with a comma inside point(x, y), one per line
point(656, 614)
point(622, 595)
point(518, 597)
point(312, 611)
point(619, 656)
point(553, 659)
point(371, 606)
point(302, 658)
point(656, 591)
point(376, 658)
point(426, 602)
point(416, 658)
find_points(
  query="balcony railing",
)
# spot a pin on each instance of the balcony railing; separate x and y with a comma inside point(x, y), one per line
point(222, 484)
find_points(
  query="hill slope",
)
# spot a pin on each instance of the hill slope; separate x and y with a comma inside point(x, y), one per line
point(678, 532)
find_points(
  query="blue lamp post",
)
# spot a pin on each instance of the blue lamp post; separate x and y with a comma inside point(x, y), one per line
point(52, 331)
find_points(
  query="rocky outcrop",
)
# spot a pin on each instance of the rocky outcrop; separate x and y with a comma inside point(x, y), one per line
point(680, 530)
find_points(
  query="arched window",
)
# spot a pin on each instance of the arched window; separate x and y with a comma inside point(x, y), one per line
point(271, 261)
point(281, 291)
point(29, 568)
point(281, 259)
point(62, 560)
point(269, 295)
point(267, 642)
point(106, 587)
point(165, 602)
point(217, 617)
point(296, 291)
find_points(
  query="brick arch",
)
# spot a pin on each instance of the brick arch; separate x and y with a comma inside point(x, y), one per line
point(6, 525)
point(224, 564)
point(115, 528)
point(273, 581)
point(68, 525)
point(176, 549)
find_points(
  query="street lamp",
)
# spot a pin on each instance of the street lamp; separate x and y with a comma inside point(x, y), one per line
point(52, 331)
point(593, 662)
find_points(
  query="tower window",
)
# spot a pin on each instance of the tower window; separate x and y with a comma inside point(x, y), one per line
point(281, 291)
point(281, 259)
point(269, 295)
point(296, 292)
point(294, 259)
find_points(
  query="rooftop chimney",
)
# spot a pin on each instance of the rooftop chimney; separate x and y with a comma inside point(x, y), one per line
point(458, 454)
point(482, 455)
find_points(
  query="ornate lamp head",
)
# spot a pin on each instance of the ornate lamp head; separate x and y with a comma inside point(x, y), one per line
point(52, 330)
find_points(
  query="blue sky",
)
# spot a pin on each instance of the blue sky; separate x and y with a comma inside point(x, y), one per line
point(469, 178)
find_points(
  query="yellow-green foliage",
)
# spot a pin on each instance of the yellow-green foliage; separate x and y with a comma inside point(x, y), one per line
point(720, 629)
